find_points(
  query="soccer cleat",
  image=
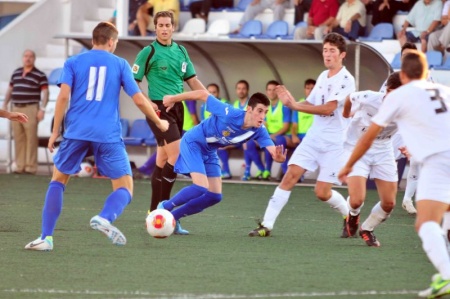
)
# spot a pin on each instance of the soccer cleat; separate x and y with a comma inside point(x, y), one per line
point(344, 229)
point(246, 176)
point(41, 245)
point(260, 231)
point(408, 206)
point(352, 225)
point(226, 175)
point(438, 288)
point(179, 230)
point(109, 230)
point(266, 175)
point(259, 175)
point(161, 205)
point(369, 238)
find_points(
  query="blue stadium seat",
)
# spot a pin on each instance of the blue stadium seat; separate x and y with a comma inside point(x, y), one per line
point(138, 133)
point(276, 30)
point(125, 127)
point(250, 29)
point(434, 58)
point(298, 25)
point(379, 32)
point(5, 20)
point(397, 62)
point(444, 66)
point(241, 6)
point(54, 76)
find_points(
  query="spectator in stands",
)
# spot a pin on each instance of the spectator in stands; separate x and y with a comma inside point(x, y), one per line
point(321, 15)
point(200, 9)
point(350, 21)
point(133, 8)
point(384, 10)
point(425, 16)
point(258, 6)
point(300, 8)
point(28, 93)
point(439, 40)
point(151, 8)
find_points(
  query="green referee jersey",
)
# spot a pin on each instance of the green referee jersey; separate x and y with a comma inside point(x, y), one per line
point(166, 67)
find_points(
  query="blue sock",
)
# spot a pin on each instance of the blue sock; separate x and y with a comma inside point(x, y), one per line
point(254, 154)
point(248, 161)
point(115, 204)
point(52, 207)
point(149, 166)
point(184, 195)
point(197, 205)
point(224, 157)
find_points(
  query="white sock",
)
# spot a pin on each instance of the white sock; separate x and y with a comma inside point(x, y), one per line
point(446, 224)
point(434, 246)
point(338, 203)
point(352, 211)
point(377, 215)
point(276, 203)
point(411, 181)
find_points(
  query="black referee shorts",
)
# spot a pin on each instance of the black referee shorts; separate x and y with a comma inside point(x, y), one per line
point(175, 117)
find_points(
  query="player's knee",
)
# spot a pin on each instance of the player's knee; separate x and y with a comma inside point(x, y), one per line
point(289, 179)
point(356, 201)
point(388, 205)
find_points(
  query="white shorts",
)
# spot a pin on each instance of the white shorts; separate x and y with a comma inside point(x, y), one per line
point(434, 180)
point(329, 162)
point(376, 165)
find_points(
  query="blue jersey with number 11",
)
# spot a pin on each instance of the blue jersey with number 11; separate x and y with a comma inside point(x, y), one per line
point(95, 79)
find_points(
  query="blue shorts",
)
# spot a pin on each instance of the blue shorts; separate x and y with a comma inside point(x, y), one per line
point(111, 159)
point(195, 158)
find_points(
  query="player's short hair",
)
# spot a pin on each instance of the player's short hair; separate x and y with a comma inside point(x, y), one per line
point(272, 82)
point(163, 14)
point(103, 32)
point(393, 81)
point(258, 98)
point(415, 65)
point(243, 82)
point(408, 45)
point(337, 40)
point(310, 81)
point(215, 85)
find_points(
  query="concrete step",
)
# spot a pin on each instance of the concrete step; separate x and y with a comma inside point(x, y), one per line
point(105, 13)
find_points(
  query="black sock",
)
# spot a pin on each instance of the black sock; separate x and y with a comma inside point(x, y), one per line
point(168, 179)
point(156, 188)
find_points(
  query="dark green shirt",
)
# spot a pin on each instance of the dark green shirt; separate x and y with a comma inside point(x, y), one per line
point(167, 69)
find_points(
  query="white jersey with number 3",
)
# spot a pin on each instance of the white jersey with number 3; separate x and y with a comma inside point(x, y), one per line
point(419, 108)
point(368, 102)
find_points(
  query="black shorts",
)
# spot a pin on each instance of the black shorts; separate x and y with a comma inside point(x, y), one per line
point(175, 117)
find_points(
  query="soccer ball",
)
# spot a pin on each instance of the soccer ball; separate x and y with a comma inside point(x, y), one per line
point(86, 170)
point(160, 223)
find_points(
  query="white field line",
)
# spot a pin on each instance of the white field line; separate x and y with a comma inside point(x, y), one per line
point(134, 294)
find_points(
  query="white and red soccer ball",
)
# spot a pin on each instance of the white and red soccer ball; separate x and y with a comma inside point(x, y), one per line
point(160, 223)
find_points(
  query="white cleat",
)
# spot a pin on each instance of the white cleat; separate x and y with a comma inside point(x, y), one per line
point(41, 245)
point(408, 206)
point(105, 227)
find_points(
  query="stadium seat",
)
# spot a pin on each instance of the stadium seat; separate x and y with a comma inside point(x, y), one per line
point(397, 62)
point(218, 27)
point(241, 6)
point(276, 30)
point(138, 133)
point(54, 76)
point(434, 58)
point(298, 25)
point(125, 127)
point(193, 27)
point(250, 29)
point(445, 66)
point(379, 32)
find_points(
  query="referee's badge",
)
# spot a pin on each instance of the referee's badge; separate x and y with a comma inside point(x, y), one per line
point(183, 67)
point(135, 68)
point(225, 133)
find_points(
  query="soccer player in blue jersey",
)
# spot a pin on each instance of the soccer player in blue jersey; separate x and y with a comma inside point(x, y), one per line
point(198, 149)
point(92, 81)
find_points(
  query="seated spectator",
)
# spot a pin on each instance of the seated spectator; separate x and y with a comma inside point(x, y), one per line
point(383, 11)
point(425, 16)
point(150, 8)
point(321, 15)
point(258, 6)
point(200, 9)
point(439, 40)
point(300, 8)
point(350, 21)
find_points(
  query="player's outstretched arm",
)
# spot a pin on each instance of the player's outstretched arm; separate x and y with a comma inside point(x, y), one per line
point(198, 95)
point(360, 149)
point(277, 152)
point(14, 116)
point(195, 84)
point(144, 105)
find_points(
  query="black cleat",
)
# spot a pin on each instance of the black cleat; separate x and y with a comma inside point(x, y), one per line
point(344, 229)
point(260, 231)
point(352, 225)
point(369, 238)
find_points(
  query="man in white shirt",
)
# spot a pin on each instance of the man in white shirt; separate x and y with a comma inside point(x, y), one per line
point(419, 108)
point(378, 162)
point(322, 146)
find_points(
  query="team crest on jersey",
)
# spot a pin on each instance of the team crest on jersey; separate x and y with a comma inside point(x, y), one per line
point(225, 133)
point(135, 68)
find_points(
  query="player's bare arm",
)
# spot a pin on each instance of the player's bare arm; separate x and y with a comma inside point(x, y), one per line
point(198, 95)
point(195, 84)
point(60, 108)
point(277, 152)
point(347, 107)
point(363, 145)
point(155, 107)
point(141, 102)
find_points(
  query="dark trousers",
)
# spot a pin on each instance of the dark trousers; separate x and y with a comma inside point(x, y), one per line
point(355, 31)
point(203, 7)
point(300, 11)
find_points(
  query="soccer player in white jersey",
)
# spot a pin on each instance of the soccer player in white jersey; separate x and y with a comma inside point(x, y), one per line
point(419, 108)
point(323, 145)
point(378, 163)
